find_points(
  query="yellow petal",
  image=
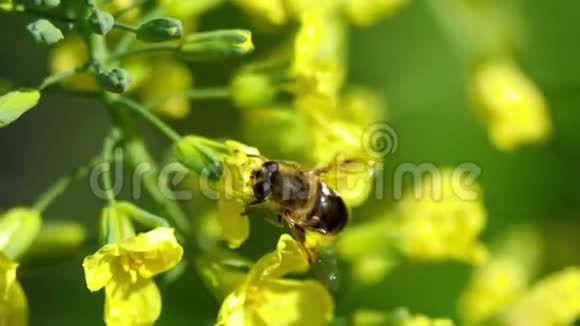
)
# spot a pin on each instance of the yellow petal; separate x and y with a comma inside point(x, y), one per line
point(13, 303)
point(128, 304)
point(273, 10)
point(67, 55)
point(14, 309)
point(319, 54)
point(399, 316)
point(186, 9)
point(98, 268)
point(289, 302)
point(555, 300)
point(278, 302)
point(511, 105)
point(442, 219)
point(354, 182)
point(501, 281)
point(366, 12)
point(144, 255)
point(234, 225)
point(176, 79)
point(289, 257)
point(151, 253)
point(267, 299)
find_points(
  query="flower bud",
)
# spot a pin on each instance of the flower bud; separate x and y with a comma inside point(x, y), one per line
point(197, 158)
point(56, 240)
point(44, 32)
point(216, 45)
point(101, 22)
point(115, 225)
point(115, 80)
point(160, 30)
point(140, 215)
point(18, 229)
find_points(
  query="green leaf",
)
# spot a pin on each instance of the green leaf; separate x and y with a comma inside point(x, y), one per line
point(44, 32)
point(16, 103)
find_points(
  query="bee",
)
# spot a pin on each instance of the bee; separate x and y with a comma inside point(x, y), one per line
point(301, 198)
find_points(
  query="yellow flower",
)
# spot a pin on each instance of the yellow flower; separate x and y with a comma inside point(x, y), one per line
point(360, 12)
point(367, 12)
point(115, 6)
point(553, 301)
point(68, 54)
point(126, 269)
point(187, 9)
point(442, 220)
point(284, 127)
point(273, 10)
point(421, 320)
point(235, 192)
point(265, 298)
point(398, 317)
point(492, 287)
point(319, 54)
point(176, 79)
point(511, 105)
point(503, 279)
point(13, 303)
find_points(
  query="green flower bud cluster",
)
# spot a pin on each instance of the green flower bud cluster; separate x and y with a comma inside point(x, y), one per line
point(115, 80)
point(44, 32)
point(101, 22)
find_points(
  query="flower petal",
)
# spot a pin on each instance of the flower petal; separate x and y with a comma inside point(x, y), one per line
point(128, 304)
point(98, 267)
point(235, 227)
point(13, 303)
point(290, 302)
point(14, 308)
point(151, 253)
point(289, 257)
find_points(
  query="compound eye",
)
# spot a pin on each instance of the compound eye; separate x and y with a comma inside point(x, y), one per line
point(271, 167)
point(262, 190)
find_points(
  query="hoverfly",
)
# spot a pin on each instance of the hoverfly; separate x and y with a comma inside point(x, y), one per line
point(306, 203)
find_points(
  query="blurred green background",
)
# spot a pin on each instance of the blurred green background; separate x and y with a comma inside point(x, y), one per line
point(406, 58)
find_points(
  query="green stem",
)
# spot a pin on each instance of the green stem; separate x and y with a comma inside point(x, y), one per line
point(107, 157)
point(59, 77)
point(61, 185)
point(126, 27)
point(192, 94)
point(137, 152)
point(150, 117)
point(145, 50)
